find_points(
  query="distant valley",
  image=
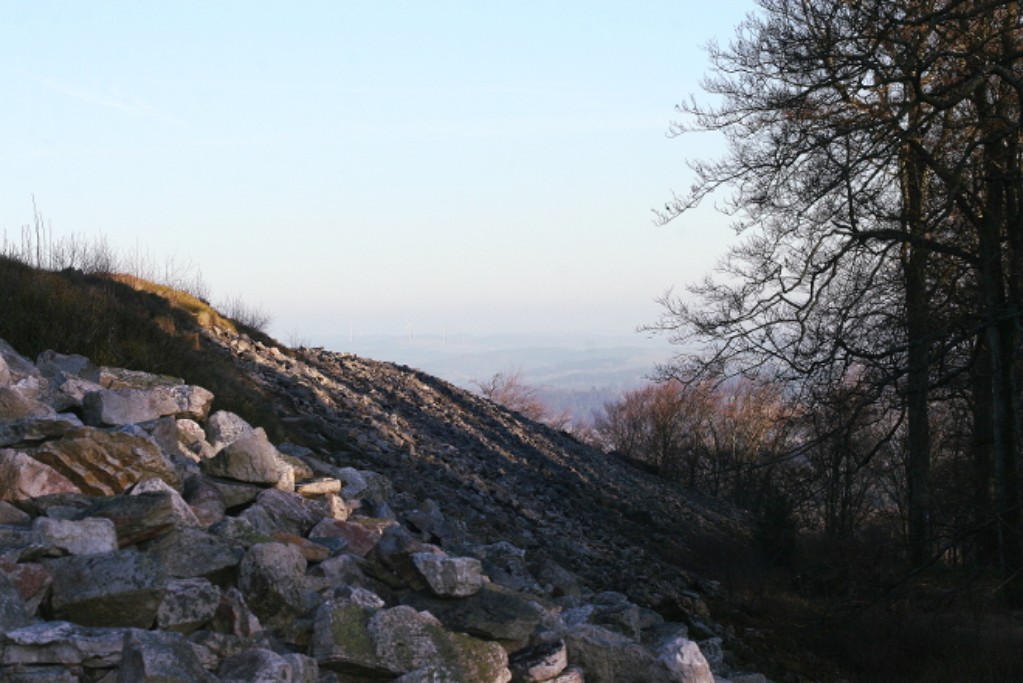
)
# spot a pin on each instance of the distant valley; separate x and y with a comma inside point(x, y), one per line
point(577, 373)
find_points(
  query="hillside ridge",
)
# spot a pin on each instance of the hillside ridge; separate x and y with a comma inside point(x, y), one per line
point(575, 549)
point(500, 474)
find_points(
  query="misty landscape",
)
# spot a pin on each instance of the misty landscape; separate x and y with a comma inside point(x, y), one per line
point(530, 342)
point(574, 373)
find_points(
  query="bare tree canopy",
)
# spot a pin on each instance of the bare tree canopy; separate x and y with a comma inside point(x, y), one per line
point(874, 170)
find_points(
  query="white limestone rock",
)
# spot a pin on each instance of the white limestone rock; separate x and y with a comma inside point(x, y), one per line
point(251, 458)
point(455, 577)
point(683, 658)
point(224, 427)
point(78, 537)
point(131, 406)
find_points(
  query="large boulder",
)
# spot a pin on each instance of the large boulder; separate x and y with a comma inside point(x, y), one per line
point(455, 577)
point(272, 577)
point(188, 604)
point(253, 459)
point(103, 462)
point(18, 367)
point(493, 612)
point(276, 510)
point(16, 404)
point(188, 552)
point(24, 477)
point(61, 643)
point(143, 516)
point(13, 613)
point(109, 407)
point(541, 662)
point(78, 537)
point(159, 657)
point(32, 430)
point(120, 588)
point(361, 640)
point(610, 657)
point(260, 665)
point(224, 427)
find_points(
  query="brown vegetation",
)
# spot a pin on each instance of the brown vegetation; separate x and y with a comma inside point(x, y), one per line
point(510, 390)
point(125, 321)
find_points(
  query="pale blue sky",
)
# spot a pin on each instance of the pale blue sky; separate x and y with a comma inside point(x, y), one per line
point(474, 167)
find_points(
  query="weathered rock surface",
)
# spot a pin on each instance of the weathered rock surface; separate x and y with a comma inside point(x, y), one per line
point(118, 588)
point(493, 612)
point(189, 552)
point(261, 665)
point(28, 431)
point(142, 516)
point(351, 638)
point(102, 462)
point(541, 662)
point(109, 407)
point(273, 576)
point(61, 643)
point(253, 459)
point(455, 577)
point(17, 404)
point(165, 543)
point(78, 537)
point(13, 613)
point(187, 604)
point(160, 657)
point(24, 477)
point(224, 427)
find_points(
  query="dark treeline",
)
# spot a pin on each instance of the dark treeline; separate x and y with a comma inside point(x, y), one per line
point(859, 355)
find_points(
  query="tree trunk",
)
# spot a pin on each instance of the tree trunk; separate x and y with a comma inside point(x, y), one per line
point(915, 258)
point(982, 446)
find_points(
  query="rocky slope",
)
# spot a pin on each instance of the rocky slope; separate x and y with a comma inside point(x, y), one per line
point(408, 531)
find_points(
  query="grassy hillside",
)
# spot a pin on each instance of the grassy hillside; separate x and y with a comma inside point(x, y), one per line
point(124, 321)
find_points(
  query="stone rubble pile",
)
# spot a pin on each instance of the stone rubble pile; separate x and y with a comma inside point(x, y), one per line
point(145, 537)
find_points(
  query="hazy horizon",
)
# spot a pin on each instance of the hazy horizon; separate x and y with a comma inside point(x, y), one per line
point(575, 372)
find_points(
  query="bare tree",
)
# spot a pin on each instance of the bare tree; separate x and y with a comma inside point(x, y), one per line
point(510, 390)
point(874, 168)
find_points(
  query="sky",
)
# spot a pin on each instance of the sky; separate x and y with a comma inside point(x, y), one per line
point(372, 167)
